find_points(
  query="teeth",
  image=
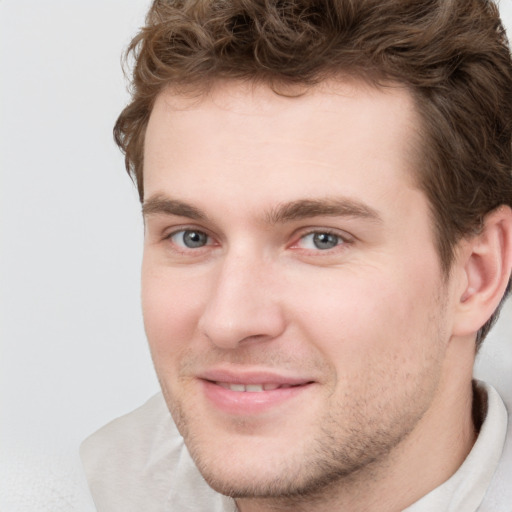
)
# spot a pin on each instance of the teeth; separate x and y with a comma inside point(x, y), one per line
point(251, 388)
point(254, 388)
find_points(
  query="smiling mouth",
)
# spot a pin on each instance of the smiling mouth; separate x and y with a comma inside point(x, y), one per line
point(254, 388)
point(251, 395)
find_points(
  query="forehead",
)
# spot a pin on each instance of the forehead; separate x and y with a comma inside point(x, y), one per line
point(331, 132)
point(235, 100)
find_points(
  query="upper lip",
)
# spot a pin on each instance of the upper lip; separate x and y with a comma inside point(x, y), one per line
point(252, 377)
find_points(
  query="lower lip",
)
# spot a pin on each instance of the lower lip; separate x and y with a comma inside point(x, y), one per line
point(247, 402)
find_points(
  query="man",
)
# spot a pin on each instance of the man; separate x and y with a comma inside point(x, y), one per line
point(327, 190)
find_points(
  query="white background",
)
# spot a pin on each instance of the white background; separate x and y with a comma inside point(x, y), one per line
point(73, 353)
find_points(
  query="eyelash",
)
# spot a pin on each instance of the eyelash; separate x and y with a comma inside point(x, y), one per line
point(342, 240)
point(184, 230)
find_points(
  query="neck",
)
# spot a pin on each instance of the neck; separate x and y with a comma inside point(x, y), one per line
point(425, 459)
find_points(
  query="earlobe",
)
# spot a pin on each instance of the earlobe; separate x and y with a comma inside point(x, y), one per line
point(487, 263)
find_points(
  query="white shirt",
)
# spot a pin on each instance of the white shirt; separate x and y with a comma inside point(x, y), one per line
point(139, 462)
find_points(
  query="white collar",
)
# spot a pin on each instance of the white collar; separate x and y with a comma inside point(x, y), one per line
point(465, 490)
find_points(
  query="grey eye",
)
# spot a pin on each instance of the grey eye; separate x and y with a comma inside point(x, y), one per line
point(190, 239)
point(324, 241)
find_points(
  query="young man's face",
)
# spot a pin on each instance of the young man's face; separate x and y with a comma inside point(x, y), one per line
point(292, 294)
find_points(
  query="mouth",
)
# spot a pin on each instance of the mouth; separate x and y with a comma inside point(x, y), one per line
point(250, 395)
point(254, 388)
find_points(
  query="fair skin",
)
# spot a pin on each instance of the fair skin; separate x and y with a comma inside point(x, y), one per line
point(311, 352)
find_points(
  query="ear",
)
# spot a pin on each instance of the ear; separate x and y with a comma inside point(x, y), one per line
point(486, 263)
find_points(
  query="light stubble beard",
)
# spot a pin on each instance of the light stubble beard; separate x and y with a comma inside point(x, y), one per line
point(332, 460)
point(357, 437)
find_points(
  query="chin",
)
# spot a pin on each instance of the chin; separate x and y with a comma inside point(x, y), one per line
point(257, 479)
point(251, 467)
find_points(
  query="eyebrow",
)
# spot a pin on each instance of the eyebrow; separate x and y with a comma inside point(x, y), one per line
point(164, 205)
point(294, 210)
point(331, 207)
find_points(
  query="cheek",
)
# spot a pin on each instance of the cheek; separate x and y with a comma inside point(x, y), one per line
point(171, 308)
point(358, 317)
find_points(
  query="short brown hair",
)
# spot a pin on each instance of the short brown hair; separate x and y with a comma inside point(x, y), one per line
point(452, 55)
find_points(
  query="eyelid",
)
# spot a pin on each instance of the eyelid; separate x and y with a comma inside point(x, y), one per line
point(343, 235)
point(169, 232)
point(178, 248)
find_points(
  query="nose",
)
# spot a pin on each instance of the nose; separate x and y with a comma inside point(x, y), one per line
point(243, 305)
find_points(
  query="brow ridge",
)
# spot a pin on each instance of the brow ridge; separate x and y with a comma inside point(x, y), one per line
point(286, 212)
point(333, 207)
point(163, 205)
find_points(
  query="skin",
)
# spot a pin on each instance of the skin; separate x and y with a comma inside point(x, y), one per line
point(365, 319)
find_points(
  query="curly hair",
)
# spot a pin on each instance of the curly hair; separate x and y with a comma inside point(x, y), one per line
point(452, 55)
